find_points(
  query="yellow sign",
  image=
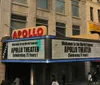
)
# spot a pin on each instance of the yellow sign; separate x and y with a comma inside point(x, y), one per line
point(94, 27)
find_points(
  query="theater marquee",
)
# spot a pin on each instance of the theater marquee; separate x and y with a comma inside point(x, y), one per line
point(30, 49)
point(69, 49)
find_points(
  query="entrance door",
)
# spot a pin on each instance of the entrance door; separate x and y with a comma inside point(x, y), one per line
point(20, 70)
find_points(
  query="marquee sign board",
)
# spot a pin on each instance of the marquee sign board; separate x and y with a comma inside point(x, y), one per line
point(70, 49)
point(30, 49)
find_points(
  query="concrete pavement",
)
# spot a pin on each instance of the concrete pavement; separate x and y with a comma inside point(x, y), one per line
point(86, 83)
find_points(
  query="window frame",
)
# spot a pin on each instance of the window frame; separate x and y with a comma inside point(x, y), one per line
point(91, 14)
point(75, 6)
point(98, 15)
point(64, 6)
point(17, 20)
point(48, 8)
point(45, 24)
point(74, 28)
point(61, 26)
point(42, 24)
point(23, 4)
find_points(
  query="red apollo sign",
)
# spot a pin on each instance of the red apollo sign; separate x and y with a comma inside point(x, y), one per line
point(29, 32)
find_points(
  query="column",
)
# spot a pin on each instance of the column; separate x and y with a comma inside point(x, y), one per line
point(68, 13)
point(32, 75)
point(52, 19)
point(87, 68)
point(5, 13)
point(31, 18)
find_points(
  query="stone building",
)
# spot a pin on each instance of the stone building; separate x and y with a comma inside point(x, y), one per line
point(93, 26)
point(63, 18)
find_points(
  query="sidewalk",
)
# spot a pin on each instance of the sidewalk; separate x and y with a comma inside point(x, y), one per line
point(86, 83)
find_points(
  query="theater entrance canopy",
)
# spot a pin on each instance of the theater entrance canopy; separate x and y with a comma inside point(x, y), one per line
point(50, 49)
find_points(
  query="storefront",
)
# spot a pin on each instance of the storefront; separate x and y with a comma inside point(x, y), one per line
point(36, 59)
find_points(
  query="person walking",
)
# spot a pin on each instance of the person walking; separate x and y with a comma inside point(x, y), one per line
point(3, 82)
point(54, 81)
point(89, 78)
point(17, 81)
point(63, 78)
point(94, 77)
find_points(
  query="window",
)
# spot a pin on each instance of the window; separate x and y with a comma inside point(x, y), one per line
point(60, 6)
point(75, 30)
point(42, 4)
point(60, 29)
point(75, 8)
point(98, 15)
point(41, 22)
point(21, 1)
point(91, 13)
point(17, 22)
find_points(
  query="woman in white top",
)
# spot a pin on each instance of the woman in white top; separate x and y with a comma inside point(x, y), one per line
point(54, 81)
point(89, 78)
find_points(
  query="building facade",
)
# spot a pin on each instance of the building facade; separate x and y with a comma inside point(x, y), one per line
point(93, 15)
point(63, 18)
point(93, 25)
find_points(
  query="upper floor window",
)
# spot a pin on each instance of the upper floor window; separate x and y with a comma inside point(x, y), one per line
point(17, 22)
point(75, 8)
point(42, 4)
point(41, 22)
point(91, 13)
point(99, 15)
point(75, 30)
point(60, 6)
point(20, 1)
point(60, 29)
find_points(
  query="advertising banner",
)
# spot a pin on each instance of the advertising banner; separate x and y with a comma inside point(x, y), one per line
point(70, 49)
point(30, 49)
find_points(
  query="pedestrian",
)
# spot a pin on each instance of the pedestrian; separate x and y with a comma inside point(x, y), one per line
point(89, 78)
point(94, 77)
point(54, 81)
point(17, 81)
point(3, 82)
point(63, 78)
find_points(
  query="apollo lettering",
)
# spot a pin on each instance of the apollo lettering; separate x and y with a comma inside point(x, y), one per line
point(30, 32)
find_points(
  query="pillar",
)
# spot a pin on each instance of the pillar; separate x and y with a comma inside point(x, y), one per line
point(32, 75)
point(31, 18)
point(52, 19)
point(87, 68)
